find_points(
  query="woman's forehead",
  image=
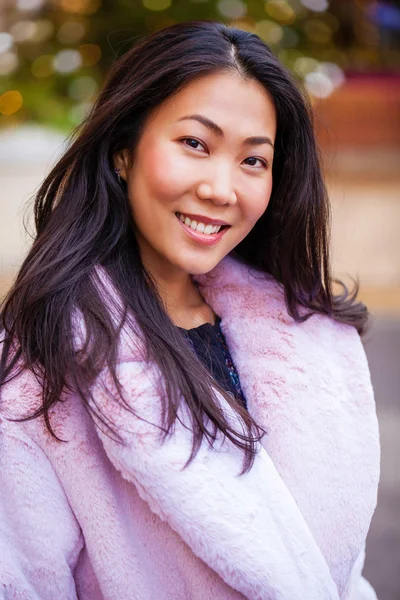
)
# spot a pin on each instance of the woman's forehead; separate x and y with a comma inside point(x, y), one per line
point(227, 99)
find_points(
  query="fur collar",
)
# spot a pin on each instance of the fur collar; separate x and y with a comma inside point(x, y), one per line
point(295, 525)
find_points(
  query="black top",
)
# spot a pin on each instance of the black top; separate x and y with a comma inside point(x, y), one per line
point(210, 345)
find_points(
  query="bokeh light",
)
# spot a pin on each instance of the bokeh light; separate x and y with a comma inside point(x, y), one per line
point(318, 31)
point(71, 32)
point(245, 23)
point(6, 41)
point(289, 56)
point(316, 5)
point(30, 5)
point(156, 4)
point(42, 67)
point(83, 88)
point(281, 11)
point(270, 32)
point(9, 63)
point(319, 84)
point(304, 65)
point(10, 102)
point(323, 79)
point(81, 7)
point(59, 43)
point(333, 71)
point(32, 31)
point(290, 37)
point(78, 112)
point(44, 30)
point(232, 9)
point(90, 54)
point(67, 61)
point(331, 20)
point(23, 31)
point(367, 33)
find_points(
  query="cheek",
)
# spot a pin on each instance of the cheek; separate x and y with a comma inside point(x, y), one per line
point(163, 173)
point(256, 202)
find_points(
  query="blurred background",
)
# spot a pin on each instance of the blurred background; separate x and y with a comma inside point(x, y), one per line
point(53, 58)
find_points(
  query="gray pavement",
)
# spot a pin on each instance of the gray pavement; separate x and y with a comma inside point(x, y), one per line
point(382, 565)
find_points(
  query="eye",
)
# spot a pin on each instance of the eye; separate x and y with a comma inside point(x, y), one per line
point(192, 143)
point(262, 163)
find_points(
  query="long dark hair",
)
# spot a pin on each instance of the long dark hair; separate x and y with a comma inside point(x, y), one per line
point(83, 220)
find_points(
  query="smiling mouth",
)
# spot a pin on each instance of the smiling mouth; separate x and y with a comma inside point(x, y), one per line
point(199, 227)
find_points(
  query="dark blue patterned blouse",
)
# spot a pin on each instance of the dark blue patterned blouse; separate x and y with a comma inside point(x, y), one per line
point(210, 345)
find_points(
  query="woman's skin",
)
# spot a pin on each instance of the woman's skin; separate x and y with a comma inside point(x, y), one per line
point(182, 165)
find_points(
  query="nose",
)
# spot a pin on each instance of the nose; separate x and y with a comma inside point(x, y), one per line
point(218, 188)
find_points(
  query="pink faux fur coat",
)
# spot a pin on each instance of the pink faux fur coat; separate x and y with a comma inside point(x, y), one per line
point(95, 520)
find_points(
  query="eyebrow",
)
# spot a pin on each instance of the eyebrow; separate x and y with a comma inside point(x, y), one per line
point(250, 141)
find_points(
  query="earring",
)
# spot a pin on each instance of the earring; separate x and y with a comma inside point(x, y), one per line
point(117, 171)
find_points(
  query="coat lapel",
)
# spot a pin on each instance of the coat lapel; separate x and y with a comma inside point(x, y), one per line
point(248, 529)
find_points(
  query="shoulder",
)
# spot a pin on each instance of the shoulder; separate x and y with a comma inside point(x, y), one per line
point(242, 287)
point(254, 294)
point(253, 303)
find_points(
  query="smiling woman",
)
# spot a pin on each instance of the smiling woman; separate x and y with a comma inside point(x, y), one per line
point(178, 418)
point(212, 167)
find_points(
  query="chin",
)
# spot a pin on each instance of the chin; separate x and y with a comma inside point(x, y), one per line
point(201, 267)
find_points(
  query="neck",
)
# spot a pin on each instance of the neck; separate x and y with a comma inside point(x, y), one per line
point(179, 294)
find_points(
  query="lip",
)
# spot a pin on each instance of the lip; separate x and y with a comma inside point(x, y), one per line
point(207, 239)
point(205, 220)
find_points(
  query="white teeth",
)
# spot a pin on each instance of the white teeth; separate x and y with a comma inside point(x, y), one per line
point(201, 227)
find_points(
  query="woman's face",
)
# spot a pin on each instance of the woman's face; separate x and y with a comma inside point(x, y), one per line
point(204, 158)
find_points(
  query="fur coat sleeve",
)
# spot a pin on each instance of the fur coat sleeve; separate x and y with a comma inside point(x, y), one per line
point(40, 538)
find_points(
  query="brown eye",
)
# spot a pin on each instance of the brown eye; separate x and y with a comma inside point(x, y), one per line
point(192, 143)
point(254, 160)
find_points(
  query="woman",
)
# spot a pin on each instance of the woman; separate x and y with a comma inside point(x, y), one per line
point(186, 408)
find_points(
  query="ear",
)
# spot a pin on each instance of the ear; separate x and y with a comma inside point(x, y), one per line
point(122, 162)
